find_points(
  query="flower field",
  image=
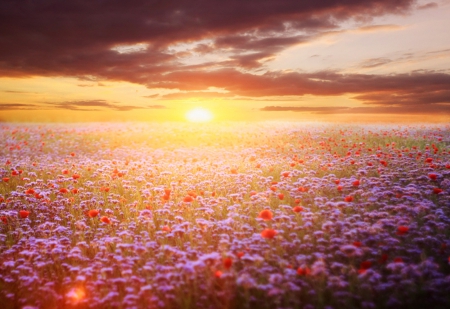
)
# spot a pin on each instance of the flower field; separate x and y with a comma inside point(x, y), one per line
point(231, 215)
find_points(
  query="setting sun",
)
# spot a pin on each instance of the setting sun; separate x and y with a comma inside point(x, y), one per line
point(199, 114)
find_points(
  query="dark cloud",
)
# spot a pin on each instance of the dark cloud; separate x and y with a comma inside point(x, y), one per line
point(75, 37)
point(18, 106)
point(90, 105)
point(402, 109)
point(157, 106)
point(428, 5)
point(146, 42)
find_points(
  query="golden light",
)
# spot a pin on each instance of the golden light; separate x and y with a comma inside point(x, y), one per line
point(199, 114)
point(75, 295)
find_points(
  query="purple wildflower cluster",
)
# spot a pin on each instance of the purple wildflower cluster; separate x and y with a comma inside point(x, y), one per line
point(262, 215)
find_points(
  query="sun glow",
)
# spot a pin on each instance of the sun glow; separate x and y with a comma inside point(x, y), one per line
point(199, 114)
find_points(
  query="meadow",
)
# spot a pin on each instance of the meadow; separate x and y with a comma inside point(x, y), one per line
point(224, 215)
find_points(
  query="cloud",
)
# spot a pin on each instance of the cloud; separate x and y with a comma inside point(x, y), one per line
point(90, 105)
point(18, 106)
point(157, 106)
point(133, 41)
point(153, 44)
point(428, 5)
point(403, 109)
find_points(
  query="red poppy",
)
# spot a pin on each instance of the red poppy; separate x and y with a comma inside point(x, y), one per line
point(348, 198)
point(429, 160)
point(281, 196)
point(285, 174)
point(357, 244)
point(402, 230)
point(240, 254)
point(4, 219)
point(63, 190)
point(297, 209)
point(297, 201)
point(93, 213)
point(337, 181)
point(233, 171)
point(75, 176)
point(74, 191)
point(398, 260)
point(365, 265)
point(356, 183)
point(227, 263)
point(167, 229)
point(269, 233)
point(5, 179)
point(266, 215)
point(24, 214)
point(339, 188)
point(303, 271)
point(437, 190)
point(105, 219)
point(30, 191)
point(218, 274)
point(383, 258)
point(432, 176)
point(188, 199)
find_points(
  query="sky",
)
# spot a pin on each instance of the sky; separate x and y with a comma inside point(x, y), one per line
point(98, 60)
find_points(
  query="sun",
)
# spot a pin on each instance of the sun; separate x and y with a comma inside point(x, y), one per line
point(199, 114)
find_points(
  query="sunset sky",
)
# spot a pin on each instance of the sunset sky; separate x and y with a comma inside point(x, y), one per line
point(243, 60)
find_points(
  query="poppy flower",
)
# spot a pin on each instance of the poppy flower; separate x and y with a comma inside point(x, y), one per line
point(63, 190)
point(268, 233)
point(437, 190)
point(75, 176)
point(297, 201)
point(93, 213)
point(167, 229)
point(339, 188)
point(74, 190)
point(398, 260)
point(65, 172)
point(303, 271)
point(402, 230)
point(4, 219)
point(266, 215)
point(432, 176)
point(188, 199)
point(240, 254)
point(365, 265)
point(383, 258)
point(227, 263)
point(24, 214)
point(285, 174)
point(297, 209)
point(30, 191)
point(357, 244)
point(5, 179)
point(356, 183)
point(105, 219)
point(429, 160)
point(348, 198)
point(281, 196)
point(218, 274)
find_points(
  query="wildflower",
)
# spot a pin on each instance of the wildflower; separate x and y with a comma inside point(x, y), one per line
point(188, 199)
point(281, 196)
point(305, 271)
point(4, 219)
point(348, 198)
point(266, 215)
point(166, 228)
point(356, 183)
point(437, 190)
point(24, 214)
point(227, 262)
point(75, 176)
point(268, 233)
point(63, 190)
point(5, 179)
point(105, 219)
point(365, 265)
point(93, 213)
point(297, 209)
point(218, 274)
point(402, 230)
